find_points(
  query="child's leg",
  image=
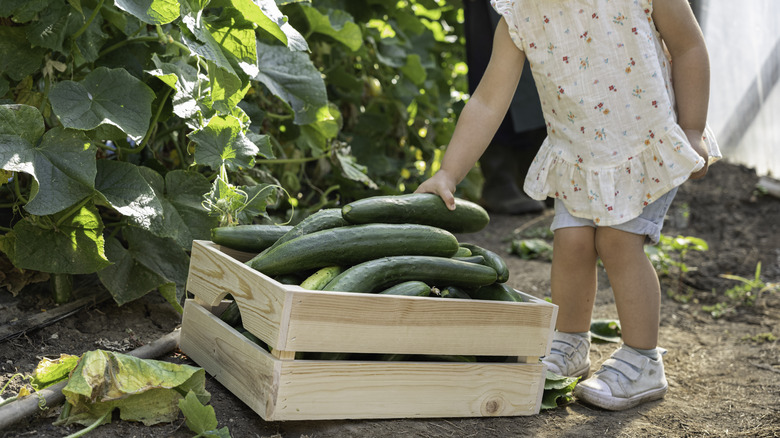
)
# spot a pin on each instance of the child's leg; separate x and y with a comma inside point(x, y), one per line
point(573, 284)
point(629, 377)
point(634, 283)
point(573, 280)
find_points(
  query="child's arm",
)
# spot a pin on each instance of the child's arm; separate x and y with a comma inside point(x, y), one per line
point(690, 69)
point(481, 116)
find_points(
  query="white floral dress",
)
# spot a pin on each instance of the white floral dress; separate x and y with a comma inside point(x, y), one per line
point(604, 80)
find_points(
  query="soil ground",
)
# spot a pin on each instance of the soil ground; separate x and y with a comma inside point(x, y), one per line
point(724, 373)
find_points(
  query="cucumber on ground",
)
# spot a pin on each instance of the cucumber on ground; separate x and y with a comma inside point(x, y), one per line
point(377, 274)
point(318, 221)
point(321, 277)
point(354, 244)
point(492, 259)
point(496, 292)
point(412, 288)
point(248, 238)
point(417, 208)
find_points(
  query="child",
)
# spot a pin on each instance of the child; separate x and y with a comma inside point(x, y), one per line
point(625, 128)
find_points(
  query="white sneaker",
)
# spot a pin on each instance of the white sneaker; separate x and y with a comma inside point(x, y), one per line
point(625, 380)
point(569, 355)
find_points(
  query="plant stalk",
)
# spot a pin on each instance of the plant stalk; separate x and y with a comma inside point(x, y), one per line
point(89, 21)
point(61, 287)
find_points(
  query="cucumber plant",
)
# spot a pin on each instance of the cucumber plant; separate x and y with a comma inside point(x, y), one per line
point(128, 129)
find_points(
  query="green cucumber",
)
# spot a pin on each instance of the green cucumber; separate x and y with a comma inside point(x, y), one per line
point(412, 288)
point(417, 208)
point(463, 252)
point(248, 238)
point(353, 244)
point(496, 292)
point(377, 274)
point(472, 259)
point(321, 277)
point(291, 279)
point(492, 259)
point(454, 292)
point(231, 315)
point(321, 220)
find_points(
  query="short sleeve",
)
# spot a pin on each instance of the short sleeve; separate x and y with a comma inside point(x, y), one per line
point(506, 8)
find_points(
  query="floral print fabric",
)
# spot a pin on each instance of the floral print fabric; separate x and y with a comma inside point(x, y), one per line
point(604, 79)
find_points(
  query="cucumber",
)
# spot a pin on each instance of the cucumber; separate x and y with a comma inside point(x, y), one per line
point(472, 259)
point(290, 279)
point(417, 208)
point(318, 221)
point(463, 252)
point(492, 259)
point(454, 292)
point(231, 315)
point(353, 244)
point(248, 238)
point(321, 277)
point(412, 288)
point(379, 273)
point(496, 292)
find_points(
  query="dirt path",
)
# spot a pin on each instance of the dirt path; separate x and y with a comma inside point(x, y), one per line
point(724, 373)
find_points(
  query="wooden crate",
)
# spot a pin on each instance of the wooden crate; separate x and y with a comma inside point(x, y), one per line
point(291, 319)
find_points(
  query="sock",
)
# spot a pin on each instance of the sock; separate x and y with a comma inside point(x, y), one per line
point(651, 353)
point(585, 335)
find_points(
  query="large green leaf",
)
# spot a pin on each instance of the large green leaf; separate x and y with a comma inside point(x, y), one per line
point(190, 85)
point(62, 165)
point(126, 191)
point(17, 57)
point(142, 389)
point(222, 142)
point(335, 23)
point(24, 11)
point(60, 245)
point(151, 11)
point(181, 194)
point(236, 36)
point(105, 96)
point(227, 89)
point(198, 38)
point(51, 28)
point(149, 262)
point(200, 418)
point(24, 121)
point(266, 14)
point(292, 77)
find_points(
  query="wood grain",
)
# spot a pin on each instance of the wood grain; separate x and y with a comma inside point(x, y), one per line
point(308, 389)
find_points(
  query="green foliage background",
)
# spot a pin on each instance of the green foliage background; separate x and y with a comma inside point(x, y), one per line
point(130, 128)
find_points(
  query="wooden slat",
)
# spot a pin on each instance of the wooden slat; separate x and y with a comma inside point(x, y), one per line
point(305, 389)
point(345, 389)
point(241, 366)
point(260, 299)
point(370, 323)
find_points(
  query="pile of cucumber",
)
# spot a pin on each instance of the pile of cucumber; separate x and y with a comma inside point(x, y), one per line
point(401, 245)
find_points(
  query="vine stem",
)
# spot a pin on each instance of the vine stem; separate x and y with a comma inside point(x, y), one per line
point(17, 189)
point(89, 21)
point(91, 427)
point(152, 125)
point(73, 210)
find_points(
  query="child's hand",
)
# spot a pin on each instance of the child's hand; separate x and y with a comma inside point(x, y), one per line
point(694, 137)
point(442, 185)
